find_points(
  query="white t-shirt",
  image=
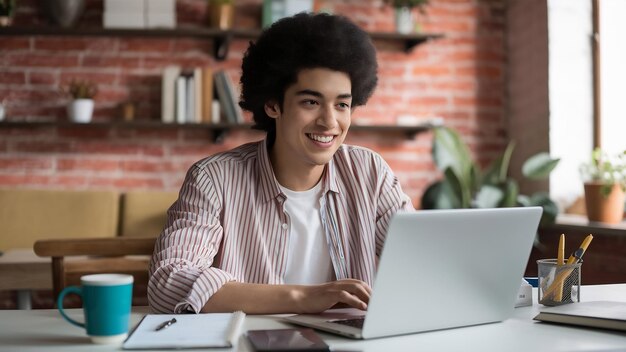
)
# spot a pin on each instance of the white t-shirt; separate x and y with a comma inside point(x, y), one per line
point(308, 259)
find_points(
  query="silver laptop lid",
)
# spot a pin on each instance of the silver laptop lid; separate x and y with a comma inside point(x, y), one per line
point(448, 268)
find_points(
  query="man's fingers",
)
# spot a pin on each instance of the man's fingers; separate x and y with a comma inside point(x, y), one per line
point(351, 300)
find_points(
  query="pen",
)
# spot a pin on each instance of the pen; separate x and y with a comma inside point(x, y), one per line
point(578, 254)
point(165, 324)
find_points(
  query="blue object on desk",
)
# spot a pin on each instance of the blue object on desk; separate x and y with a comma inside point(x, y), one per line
point(533, 281)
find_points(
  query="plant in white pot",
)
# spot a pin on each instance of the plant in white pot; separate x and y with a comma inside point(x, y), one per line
point(604, 179)
point(80, 108)
point(7, 9)
point(404, 21)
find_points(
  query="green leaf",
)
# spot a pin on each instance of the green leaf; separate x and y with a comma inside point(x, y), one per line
point(511, 191)
point(457, 188)
point(539, 166)
point(550, 209)
point(523, 200)
point(439, 195)
point(489, 197)
point(499, 169)
point(450, 151)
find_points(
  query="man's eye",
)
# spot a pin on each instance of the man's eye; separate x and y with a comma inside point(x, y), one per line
point(344, 105)
point(309, 102)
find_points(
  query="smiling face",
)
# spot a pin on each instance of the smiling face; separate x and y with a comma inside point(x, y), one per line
point(310, 126)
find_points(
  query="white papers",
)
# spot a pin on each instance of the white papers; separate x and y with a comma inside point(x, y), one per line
point(189, 331)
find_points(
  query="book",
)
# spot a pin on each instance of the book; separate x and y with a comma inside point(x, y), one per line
point(181, 98)
point(197, 94)
point(233, 97)
point(226, 96)
point(168, 91)
point(212, 330)
point(207, 95)
point(190, 102)
point(594, 314)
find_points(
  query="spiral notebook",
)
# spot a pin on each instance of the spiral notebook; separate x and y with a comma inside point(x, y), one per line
point(213, 330)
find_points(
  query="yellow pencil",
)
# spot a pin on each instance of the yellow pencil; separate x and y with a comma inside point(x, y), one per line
point(560, 260)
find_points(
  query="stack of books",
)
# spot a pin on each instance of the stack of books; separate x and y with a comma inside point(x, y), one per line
point(199, 95)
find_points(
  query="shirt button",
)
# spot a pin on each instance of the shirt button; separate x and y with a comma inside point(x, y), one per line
point(285, 226)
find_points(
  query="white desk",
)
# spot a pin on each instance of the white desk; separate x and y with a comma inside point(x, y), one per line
point(45, 330)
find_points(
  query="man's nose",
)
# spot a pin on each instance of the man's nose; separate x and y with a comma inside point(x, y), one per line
point(328, 117)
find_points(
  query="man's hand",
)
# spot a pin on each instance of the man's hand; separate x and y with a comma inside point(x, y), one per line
point(318, 298)
point(273, 299)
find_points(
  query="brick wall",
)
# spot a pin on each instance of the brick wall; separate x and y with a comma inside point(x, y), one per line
point(527, 84)
point(459, 78)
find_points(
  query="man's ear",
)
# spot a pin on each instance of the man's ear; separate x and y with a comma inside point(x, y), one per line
point(272, 109)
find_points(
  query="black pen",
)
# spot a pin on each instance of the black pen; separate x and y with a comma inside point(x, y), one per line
point(165, 324)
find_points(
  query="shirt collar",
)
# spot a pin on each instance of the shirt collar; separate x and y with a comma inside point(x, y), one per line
point(270, 187)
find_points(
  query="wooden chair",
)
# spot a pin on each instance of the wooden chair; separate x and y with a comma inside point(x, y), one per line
point(72, 258)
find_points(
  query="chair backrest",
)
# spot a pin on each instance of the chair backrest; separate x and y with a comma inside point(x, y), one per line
point(143, 213)
point(72, 258)
point(30, 215)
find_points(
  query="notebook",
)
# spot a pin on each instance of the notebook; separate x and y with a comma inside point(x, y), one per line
point(594, 314)
point(214, 330)
point(441, 269)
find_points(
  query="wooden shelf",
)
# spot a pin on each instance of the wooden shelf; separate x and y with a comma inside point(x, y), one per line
point(219, 130)
point(221, 38)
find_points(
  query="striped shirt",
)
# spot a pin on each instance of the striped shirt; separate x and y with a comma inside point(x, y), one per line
point(229, 224)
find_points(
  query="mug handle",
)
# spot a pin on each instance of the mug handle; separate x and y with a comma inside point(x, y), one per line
point(70, 289)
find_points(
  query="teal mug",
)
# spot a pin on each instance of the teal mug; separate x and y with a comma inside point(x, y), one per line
point(107, 301)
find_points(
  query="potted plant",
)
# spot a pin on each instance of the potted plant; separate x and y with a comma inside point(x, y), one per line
point(80, 108)
point(464, 185)
point(7, 9)
point(604, 179)
point(403, 15)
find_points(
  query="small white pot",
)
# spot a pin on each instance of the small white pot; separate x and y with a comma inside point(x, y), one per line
point(80, 110)
point(404, 20)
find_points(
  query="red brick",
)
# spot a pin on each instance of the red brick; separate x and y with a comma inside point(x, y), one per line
point(42, 78)
point(42, 60)
point(146, 45)
point(87, 165)
point(60, 43)
point(107, 61)
point(105, 147)
point(21, 163)
point(43, 147)
point(432, 71)
point(14, 43)
point(100, 78)
point(159, 166)
point(9, 77)
point(84, 132)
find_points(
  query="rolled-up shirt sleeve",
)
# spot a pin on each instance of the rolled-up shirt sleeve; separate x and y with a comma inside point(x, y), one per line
point(391, 199)
point(182, 272)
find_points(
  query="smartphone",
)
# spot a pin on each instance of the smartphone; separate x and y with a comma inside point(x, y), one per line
point(287, 340)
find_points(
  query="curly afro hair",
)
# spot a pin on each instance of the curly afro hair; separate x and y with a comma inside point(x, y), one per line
point(300, 42)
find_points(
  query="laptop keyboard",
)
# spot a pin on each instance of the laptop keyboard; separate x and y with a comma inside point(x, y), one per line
point(355, 322)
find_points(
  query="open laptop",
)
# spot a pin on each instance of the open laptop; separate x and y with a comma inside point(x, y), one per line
point(441, 269)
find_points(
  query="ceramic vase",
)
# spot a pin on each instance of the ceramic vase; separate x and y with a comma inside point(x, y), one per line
point(80, 110)
point(64, 13)
point(608, 209)
point(404, 20)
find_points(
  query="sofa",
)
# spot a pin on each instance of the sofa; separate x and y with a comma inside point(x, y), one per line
point(28, 215)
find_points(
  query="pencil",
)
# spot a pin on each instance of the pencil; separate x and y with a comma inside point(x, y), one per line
point(560, 260)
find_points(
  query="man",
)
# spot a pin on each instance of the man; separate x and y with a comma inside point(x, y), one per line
point(294, 223)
